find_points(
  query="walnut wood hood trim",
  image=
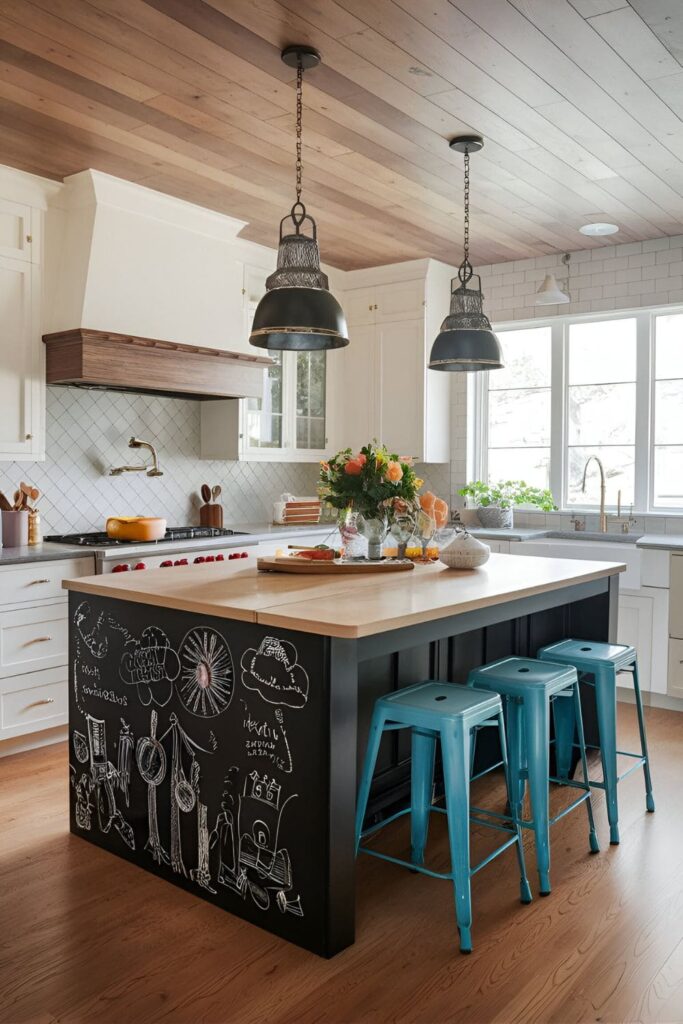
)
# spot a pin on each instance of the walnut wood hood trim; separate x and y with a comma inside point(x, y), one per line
point(122, 362)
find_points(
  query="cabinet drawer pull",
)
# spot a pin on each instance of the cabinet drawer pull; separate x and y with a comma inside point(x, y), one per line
point(32, 583)
point(37, 703)
point(38, 640)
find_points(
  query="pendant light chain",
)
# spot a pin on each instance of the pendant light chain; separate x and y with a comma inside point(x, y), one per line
point(299, 118)
point(466, 271)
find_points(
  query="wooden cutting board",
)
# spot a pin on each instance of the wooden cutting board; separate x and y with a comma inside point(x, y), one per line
point(320, 568)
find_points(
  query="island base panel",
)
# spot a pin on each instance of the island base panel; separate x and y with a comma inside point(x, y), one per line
point(201, 750)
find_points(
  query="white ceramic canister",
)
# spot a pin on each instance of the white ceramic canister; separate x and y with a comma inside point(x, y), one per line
point(465, 552)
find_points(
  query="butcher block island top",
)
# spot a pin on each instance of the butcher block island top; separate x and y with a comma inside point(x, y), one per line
point(348, 607)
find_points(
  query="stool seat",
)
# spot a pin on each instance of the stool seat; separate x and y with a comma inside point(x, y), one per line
point(583, 653)
point(431, 702)
point(521, 674)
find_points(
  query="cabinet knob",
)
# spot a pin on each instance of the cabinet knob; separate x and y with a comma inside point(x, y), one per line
point(370, 306)
point(29, 437)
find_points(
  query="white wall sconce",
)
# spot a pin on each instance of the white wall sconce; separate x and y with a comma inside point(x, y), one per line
point(551, 293)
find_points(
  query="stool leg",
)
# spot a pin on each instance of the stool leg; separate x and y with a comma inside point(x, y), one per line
point(455, 751)
point(592, 835)
point(606, 702)
point(423, 745)
point(537, 727)
point(649, 799)
point(374, 738)
point(515, 745)
point(564, 719)
point(524, 887)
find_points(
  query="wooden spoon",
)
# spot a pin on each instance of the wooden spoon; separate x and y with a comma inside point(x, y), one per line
point(206, 494)
point(4, 503)
point(216, 492)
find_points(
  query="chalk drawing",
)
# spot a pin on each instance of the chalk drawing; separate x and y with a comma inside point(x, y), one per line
point(273, 672)
point(207, 675)
point(150, 664)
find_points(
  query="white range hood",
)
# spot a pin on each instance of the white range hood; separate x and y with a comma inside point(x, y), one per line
point(126, 261)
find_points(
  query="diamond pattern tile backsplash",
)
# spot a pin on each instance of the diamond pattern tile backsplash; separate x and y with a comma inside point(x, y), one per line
point(88, 432)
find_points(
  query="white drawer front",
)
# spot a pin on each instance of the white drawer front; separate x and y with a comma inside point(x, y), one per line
point(33, 639)
point(36, 701)
point(675, 687)
point(676, 597)
point(40, 581)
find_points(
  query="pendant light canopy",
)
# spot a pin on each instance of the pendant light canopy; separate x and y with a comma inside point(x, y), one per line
point(466, 341)
point(298, 312)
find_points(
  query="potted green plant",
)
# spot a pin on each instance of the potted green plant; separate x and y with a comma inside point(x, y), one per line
point(494, 502)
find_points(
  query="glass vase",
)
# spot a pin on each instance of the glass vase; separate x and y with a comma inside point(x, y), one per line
point(402, 528)
point(352, 539)
point(374, 530)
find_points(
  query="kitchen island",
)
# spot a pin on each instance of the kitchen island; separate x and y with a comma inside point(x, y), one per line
point(217, 714)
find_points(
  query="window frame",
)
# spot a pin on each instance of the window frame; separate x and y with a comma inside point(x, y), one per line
point(559, 365)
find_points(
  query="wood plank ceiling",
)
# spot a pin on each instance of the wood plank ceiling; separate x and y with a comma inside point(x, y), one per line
point(581, 104)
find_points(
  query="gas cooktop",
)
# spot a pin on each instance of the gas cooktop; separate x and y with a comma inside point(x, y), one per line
point(173, 533)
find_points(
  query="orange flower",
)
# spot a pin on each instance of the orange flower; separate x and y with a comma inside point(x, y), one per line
point(353, 467)
point(325, 466)
point(394, 472)
point(407, 460)
point(361, 458)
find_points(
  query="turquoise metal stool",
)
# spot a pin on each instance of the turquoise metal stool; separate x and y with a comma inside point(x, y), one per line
point(530, 689)
point(602, 661)
point(446, 712)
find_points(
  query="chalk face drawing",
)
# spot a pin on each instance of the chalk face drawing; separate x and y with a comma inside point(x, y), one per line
point(151, 665)
point(207, 674)
point(272, 671)
point(251, 860)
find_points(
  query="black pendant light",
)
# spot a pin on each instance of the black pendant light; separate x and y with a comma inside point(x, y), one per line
point(298, 312)
point(466, 341)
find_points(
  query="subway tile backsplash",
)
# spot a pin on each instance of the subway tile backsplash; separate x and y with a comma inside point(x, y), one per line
point(88, 432)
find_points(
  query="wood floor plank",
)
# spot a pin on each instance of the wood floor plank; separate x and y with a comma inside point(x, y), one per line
point(87, 937)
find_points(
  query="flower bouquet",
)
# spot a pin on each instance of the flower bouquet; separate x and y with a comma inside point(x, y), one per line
point(369, 489)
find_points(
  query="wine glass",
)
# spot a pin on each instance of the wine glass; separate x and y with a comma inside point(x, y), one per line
point(425, 528)
point(402, 528)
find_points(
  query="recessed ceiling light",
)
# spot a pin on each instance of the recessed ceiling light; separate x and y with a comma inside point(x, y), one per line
point(599, 229)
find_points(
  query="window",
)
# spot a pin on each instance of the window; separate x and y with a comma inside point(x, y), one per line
point(668, 412)
point(601, 409)
point(518, 425)
point(264, 415)
point(574, 387)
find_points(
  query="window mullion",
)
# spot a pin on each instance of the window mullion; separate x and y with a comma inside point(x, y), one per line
point(558, 419)
point(643, 452)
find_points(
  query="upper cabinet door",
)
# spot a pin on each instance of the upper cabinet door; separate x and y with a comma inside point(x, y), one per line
point(401, 372)
point(404, 300)
point(359, 305)
point(15, 230)
point(20, 363)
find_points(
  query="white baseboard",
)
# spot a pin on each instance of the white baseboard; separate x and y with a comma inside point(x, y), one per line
point(651, 700)
point(33, 740)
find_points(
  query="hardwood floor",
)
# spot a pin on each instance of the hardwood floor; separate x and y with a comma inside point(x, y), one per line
point(86, 937)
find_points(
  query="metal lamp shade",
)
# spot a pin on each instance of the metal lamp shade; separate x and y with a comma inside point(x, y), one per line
point(466, 342)
point(550, 293)
point(298, 312)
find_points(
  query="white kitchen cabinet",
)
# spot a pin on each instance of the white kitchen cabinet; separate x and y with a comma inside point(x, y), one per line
point(22, 387)
point(388, 392)
point(642, 624)
point(16, 232)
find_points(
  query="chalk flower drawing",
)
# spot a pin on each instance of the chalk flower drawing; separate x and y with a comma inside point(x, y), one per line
point(151, 665)
point(207, 676)
point(272, 671)
point(93, 632)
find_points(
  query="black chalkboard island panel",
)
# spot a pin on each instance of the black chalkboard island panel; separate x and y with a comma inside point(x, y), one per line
point(217, 716)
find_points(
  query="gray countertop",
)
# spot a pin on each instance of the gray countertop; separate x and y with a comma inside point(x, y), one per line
point(661, 541)
point(46, 552)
